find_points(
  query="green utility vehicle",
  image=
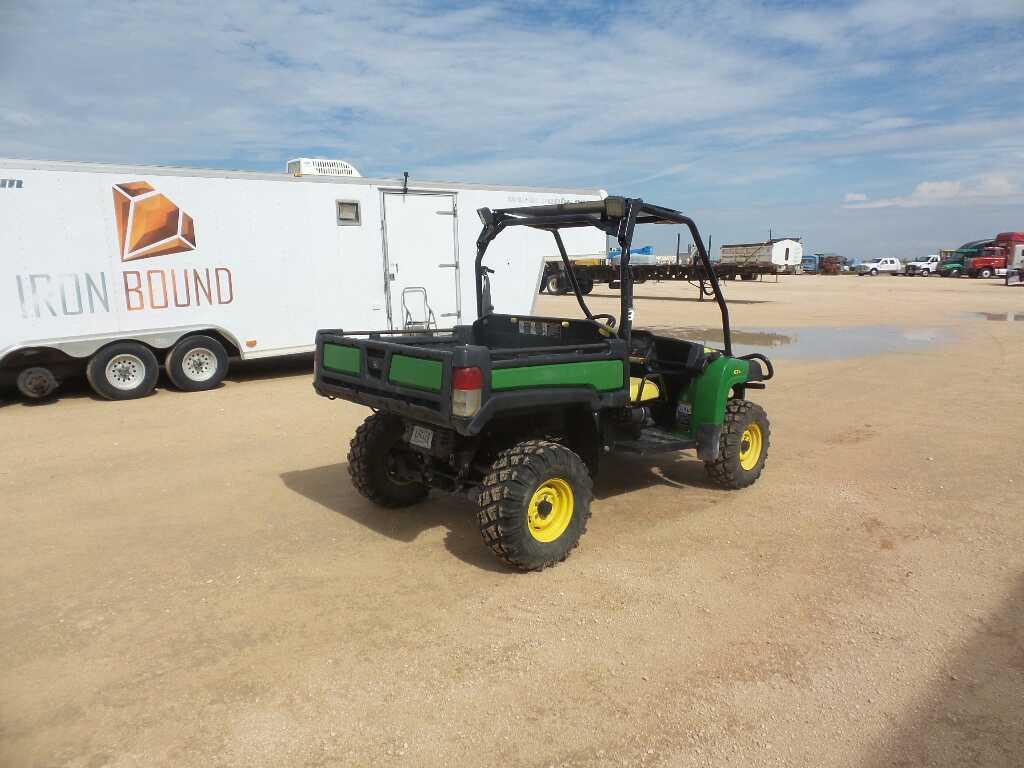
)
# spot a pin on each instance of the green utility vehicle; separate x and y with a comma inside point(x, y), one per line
point(520, 412)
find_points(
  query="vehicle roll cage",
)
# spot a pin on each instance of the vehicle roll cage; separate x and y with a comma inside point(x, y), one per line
point(615, 216)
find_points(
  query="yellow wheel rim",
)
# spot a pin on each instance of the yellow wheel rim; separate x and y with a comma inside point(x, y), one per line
point(750, 446)
point(550, 510)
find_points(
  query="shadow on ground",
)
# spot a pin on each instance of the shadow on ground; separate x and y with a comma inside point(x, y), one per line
point(271, 367)
point(973, 715)
point(330, 487)
point(623, 473)
point(694, 299)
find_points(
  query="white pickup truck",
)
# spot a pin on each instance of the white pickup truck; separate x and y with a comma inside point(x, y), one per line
point(924, 267)
point(880, 264)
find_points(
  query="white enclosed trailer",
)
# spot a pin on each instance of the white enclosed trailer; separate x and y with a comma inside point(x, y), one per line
point(779, 253)
point(111, 268)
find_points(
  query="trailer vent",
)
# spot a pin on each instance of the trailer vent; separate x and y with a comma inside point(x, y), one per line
point(312, 166)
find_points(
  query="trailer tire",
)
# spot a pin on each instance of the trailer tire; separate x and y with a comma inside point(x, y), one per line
point(585, 282)
point(197, 363)
point(124, 370)
point(370, 463)
point(534, 504)
point(37, 383)
point(743, 448)
point(748, 276)
point(551, 285)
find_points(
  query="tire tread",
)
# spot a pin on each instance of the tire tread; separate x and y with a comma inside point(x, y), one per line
point(504, 490)
point(723, 469)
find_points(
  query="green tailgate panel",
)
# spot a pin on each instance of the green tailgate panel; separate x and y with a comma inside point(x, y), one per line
point(344, 359)
point(416, 372)
point(599, 374)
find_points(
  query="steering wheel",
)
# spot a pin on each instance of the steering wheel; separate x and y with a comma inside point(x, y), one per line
point(610, 318)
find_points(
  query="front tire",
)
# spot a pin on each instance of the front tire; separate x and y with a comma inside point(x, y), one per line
point(985, 273)
point(125, 370)
point(196, 363)
point(874, 272)
point(743, 449)
point(373, 467)
point(535, 504)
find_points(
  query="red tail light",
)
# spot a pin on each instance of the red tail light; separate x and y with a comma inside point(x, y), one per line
point(467, 378)
point(467, 386)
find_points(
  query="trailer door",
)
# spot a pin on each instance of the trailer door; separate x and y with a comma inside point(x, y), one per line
point(421, 260)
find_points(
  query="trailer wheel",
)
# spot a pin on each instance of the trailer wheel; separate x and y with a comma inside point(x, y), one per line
point(374, 468)
point(534, 504)
point(552, 285)
point(748, 276)
point(124, 370)
point(196, 363)
point(37, 382)
point(743, 449)
point(585, 282)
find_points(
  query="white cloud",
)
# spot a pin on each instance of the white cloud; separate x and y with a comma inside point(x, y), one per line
point(991, 188)
point(855, 197)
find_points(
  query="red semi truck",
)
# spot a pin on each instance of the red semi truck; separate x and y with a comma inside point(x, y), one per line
point(1007, 249)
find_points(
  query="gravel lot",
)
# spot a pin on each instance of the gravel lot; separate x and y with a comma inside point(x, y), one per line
point(191, 580)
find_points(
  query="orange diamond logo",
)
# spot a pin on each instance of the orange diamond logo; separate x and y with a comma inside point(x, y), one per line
point(149, 224)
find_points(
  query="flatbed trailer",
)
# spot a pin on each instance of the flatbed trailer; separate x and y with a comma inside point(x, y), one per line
point(589, 274)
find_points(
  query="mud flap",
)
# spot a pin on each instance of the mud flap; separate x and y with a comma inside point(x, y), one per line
point(708, 437)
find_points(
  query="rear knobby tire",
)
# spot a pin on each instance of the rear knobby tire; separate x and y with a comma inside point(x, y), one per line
point(371, 463)
point(746, 429)
point(535, 504)
point(196, 363)
point(124, 370)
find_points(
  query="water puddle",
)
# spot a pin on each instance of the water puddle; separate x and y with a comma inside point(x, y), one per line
point(816, 343)
point(1000, 317)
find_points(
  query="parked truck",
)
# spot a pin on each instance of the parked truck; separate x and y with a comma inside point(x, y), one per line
point(995, 259)
point(952, 263)
point(924, 266)
point(880, 264)
point(1014, 258)
point(112, 270)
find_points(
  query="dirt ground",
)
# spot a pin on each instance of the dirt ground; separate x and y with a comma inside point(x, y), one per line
point(191, 580)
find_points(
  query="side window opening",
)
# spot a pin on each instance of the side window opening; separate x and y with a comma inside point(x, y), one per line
point(348, 213)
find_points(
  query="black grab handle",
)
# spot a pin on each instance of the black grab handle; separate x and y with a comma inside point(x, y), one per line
point(767, 362)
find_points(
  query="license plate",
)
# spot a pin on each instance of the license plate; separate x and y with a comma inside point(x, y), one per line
point(422, 437)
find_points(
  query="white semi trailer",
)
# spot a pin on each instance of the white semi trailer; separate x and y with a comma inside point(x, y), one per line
point(748, 259)
point(118, 269)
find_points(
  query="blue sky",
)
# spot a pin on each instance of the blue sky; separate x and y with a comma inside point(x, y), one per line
point(869, 128)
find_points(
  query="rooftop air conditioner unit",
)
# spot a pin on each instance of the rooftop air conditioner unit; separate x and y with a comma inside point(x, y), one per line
point(312, 166)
